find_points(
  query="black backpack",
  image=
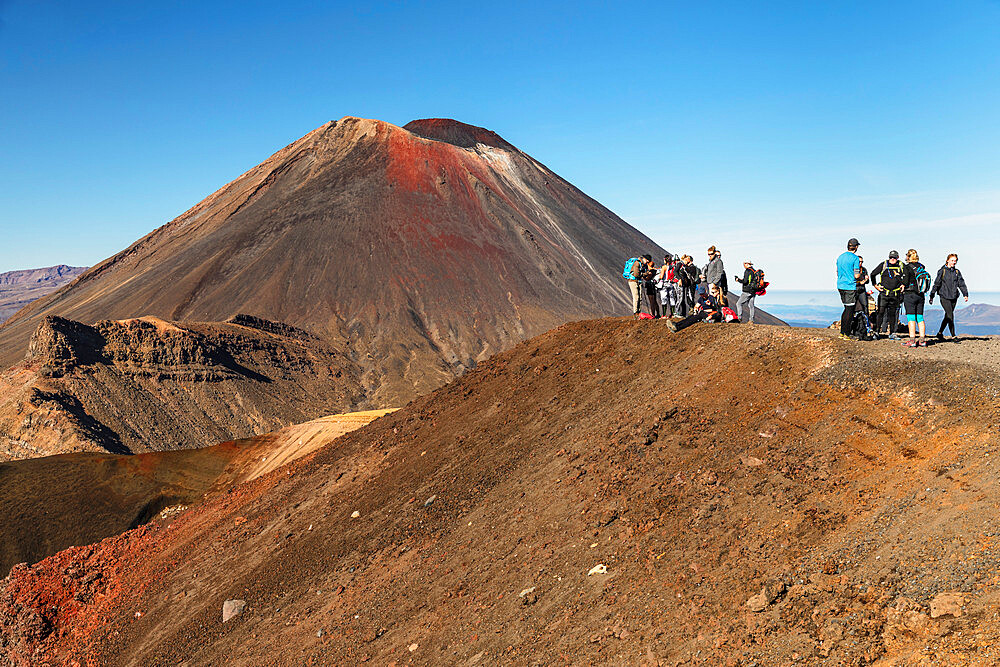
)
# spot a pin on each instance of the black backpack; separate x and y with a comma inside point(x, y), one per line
point(891, 279)
point(861, 325)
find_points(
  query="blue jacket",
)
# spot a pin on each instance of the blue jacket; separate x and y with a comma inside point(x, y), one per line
point(847, 264)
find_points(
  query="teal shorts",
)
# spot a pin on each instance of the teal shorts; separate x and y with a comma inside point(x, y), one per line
point(919, 317)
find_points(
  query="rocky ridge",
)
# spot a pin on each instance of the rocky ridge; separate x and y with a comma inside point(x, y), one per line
point(19, 288)
point(769, 497)
point(146, 384)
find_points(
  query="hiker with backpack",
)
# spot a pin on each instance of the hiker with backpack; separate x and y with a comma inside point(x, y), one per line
point(668, 288)
point(751, 285)
point(848, 272)
point(948, 283)
point(888, 279)
point(633, 273)
point(918, 282)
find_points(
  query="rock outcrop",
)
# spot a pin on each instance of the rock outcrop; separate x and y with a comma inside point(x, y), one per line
point(146, 384)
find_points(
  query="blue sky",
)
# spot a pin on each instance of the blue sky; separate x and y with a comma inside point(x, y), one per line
point(774, 130)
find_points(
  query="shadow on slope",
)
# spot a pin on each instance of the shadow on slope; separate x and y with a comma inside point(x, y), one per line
point(51, 503)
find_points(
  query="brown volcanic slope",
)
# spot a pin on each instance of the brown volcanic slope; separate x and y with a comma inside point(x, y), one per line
point(54, 502)
point(429, 247)
point(146, 384)
point(853, 483)
point(19, 288)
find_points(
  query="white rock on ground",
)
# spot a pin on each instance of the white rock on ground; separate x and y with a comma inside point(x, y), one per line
point(231, 608)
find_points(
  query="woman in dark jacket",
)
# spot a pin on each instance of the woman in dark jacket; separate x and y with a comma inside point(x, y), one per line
point(947, 285)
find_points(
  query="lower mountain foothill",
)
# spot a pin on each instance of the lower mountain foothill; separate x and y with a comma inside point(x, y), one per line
point(607, 492)
point(145, 384)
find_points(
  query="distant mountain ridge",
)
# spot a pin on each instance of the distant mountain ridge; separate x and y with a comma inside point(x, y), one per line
point(19, 288)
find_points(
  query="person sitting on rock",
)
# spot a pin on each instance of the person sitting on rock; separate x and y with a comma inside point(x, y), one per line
point(706, 309)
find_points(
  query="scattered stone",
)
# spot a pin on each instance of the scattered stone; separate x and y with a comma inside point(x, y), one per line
point(830, 635)
point(600, 568)
point(232, 608)
point(412, 647)
point(944, 604)
point(427, 503)
point(906, 621)
point(319, 633)
point(528, 596)
point(355, 514)
point(751, 461)
point(768, 594)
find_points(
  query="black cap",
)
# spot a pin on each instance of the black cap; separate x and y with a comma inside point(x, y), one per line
point(853, 243)
point(648, 258)
point(893, 254)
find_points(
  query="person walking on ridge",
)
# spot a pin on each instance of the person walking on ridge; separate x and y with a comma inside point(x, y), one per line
point(888, 280)
point(918, 281)
point(750, 286)
point(848, 272)
point(947, 284)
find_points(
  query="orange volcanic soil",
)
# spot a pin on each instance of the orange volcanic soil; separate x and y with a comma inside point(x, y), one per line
point(606, 493)
point(55, 502)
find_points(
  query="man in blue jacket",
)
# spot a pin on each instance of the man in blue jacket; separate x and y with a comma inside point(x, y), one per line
point(848, 272)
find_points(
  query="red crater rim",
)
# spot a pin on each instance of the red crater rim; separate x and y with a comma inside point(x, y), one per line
point(456, 133)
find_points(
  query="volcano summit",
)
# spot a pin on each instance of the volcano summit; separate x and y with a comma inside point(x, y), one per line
point(417, 251)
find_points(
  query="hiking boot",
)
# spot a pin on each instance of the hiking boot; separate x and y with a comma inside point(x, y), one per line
point(844, 337)
point(923, 342)
point(940, 336)
point(672, 326)
point(893, 337)
point(909, 343)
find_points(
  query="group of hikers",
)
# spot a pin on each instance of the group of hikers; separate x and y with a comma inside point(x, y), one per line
point(680, 289)
point(681, 292)
point(905, 284)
